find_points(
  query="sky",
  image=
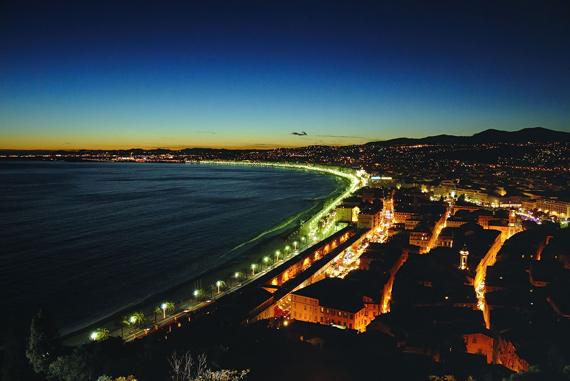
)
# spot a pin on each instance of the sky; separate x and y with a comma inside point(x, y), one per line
point(247, 74)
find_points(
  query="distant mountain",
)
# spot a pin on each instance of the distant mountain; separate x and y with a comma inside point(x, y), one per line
point(534, 134)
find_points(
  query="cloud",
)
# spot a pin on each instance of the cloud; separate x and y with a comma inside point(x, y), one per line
point(206, 132)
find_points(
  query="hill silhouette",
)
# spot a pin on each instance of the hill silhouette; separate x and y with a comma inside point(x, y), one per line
point(490, 136)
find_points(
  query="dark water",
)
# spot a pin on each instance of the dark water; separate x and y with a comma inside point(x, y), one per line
point(87, 239)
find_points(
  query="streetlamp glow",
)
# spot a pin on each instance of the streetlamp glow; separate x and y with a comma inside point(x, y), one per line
point(163, 310)
point(219, 284)
point(277, 253)
point(253, 266)
point(94, 336)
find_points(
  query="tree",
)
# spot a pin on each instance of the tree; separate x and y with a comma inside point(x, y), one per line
point(212, 289)
point(16, 366)
point(138, 318)
point(220, 284)
point(533, 373)
point(167, 306)
point(199, 295)
point(100, 334)
point(108, 378)
point(43, 345)
point(185, 369)
point(125, 322)
point(77, 366)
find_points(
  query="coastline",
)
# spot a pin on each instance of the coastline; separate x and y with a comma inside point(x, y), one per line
point(249, 252)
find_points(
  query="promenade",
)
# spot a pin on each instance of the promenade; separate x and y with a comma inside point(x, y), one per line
point(188, 299)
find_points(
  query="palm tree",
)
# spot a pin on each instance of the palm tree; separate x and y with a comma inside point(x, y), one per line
point(100, 334)
point(220, 284)
point(167, 306)
point(137, 318)
point(198, 294)
point(237, 275)
point(124, 323)
point(212, 290)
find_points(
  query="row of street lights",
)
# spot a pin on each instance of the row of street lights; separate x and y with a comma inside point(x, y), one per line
point(254, 266)
point(355, 183)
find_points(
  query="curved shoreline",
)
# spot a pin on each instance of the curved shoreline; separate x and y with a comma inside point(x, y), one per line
point(269, 240)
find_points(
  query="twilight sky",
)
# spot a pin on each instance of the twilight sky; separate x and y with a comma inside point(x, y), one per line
point(246, 74)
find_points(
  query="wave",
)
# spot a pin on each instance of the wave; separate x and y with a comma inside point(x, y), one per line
point(286, 223)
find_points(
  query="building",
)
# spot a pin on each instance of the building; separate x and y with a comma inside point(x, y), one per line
point(483, 218)
point(553, 207)
point(370, 216)
point(334, 301)
point(508, 228)
point(497, 350)
point(412, 222)
point(421, 236)
point(445, 238)
point(402, 214)
point(346, 213)
point(455, 222)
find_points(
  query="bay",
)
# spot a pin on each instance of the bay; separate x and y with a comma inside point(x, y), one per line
point(88, 239)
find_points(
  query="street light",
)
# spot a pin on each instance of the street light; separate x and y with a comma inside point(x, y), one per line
point(266, 259)
point(163, 310)
point(219, 284)
point(253, 266)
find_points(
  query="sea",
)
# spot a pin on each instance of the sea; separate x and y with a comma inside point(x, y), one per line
point(87, 239)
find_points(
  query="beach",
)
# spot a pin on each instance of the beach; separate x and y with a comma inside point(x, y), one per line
point(182, 295)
